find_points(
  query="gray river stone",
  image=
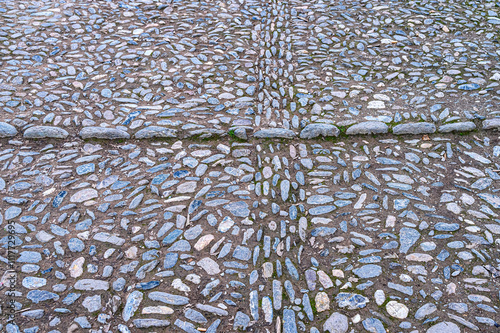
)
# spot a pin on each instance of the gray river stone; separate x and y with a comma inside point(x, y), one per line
point(42, 132)
point(312, 131)
point(155, 132)
point(7, 130)
point(368, 127)
point(103, 133)
point(274, 133)
point(414, 128)
point(457, 127)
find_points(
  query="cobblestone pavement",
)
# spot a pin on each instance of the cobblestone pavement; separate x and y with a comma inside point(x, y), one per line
point(259, 166)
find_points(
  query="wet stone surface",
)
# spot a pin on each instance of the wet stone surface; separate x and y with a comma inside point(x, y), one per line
point(370, 234)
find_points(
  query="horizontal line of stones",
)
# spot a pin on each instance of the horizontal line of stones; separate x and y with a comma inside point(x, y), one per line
point(310, 131)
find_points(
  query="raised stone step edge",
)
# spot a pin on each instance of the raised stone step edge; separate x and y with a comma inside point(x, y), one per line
point(310, 131)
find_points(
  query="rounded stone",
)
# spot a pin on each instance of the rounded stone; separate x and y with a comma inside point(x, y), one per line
point(457, 127)
point(444, 327)
point(155, 132)
point(274, 133)
point(491, 124)
point(368, 127)
point(44, 132)
point(336, 323)
point(84, 195)
point(103, 133)
point(397, 310)
point(414, 128)
point(322, 301)
point(7, 130)
point(312, 131)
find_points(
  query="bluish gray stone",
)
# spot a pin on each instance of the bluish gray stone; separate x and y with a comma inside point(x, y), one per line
point(33, 314)
point(242, 253)
point(368, 271)
point(368, 127)
point(12, 212)
point(132, 304)
point(195, 316)
point(289, 324)
point(168, 298)
point(241, 321)
point(185, 326)
point(274, 133)
point(489, 124)
point(7, 130)
point(84, 195)
point(42, 132)
point(239, 208)
point(336, 323)
point(103, 133)
point(373, 325)
point(76, 245)
point(30, 257)
point(92, 303)
point(351, 301)
point(156, 132)
point(414, 128)
point(148, 323)
point(444, 327)
point(457, 127)
point(91, 284)
point(425, 310)
point(254, 304)
point(306, 303)
point(37, 296)
point(492, 199)
point(85, 168)
point(407, 238)
point(312, 131)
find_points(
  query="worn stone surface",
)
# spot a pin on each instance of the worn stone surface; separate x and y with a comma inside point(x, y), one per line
point(414, 128)
point(152, 231)
point(42, 132)
point(368, 127)
point(186, 198)
point(312, 131)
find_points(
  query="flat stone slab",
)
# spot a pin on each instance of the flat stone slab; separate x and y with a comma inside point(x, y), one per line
point(103, 133)
point(273, 133)
point(312, 131)
point(7, 130)
point(414, 128)
point(155, 132)
point(457, 127)
point(44, 132)
point(368, 127)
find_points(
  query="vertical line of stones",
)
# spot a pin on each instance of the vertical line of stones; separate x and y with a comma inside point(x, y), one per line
point(274, 281)
point(274, 67)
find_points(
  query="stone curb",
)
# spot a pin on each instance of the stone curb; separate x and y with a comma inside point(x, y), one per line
point(310, 131)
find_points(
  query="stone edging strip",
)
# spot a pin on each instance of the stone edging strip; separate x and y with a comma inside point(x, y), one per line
point(310, 131)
